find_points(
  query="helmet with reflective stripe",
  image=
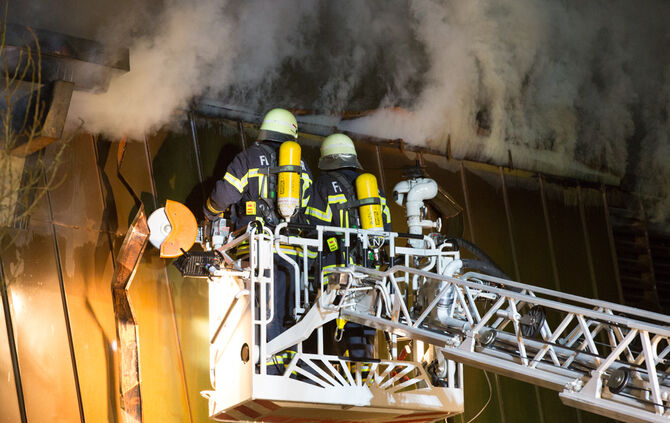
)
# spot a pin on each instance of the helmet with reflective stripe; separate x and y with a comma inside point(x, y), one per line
point(337, 152)
point(278, 125)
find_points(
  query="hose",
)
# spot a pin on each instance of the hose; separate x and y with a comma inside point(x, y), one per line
point(484, 267)
point(476, 251)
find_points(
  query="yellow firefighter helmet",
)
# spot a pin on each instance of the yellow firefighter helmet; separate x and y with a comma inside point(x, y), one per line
point(278, 125)
point(337, 152)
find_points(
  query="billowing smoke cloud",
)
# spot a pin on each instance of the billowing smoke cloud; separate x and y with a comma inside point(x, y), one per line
point(326, 56)
point(181, 58)
point(571, 87)
point(256, 54)
point(538, 76)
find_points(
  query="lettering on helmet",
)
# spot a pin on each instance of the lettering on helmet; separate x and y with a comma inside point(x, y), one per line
point(336, 187)
point(264, 161)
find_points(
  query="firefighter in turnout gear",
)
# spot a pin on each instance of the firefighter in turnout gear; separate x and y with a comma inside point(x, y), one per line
point(335, 190)
point(248, 185)
point(331, 204)
point(249, 188)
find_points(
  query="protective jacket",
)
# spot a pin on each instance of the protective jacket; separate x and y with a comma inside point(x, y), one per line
point(250, 187)
point(328, 205)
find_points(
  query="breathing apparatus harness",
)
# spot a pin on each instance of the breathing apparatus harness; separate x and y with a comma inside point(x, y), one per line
point(352, 208)
point(267, 205)
point(349, 193)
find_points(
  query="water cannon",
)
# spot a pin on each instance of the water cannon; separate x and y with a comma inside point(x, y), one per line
point(411, 194)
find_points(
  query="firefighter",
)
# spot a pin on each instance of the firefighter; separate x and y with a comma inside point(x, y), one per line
point(250, 190)
point(334, 191)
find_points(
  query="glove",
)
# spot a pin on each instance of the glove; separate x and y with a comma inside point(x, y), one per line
point(211, 217)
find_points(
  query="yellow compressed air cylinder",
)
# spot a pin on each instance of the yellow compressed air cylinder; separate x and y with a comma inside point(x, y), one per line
point(288, 184)
point(371, 214)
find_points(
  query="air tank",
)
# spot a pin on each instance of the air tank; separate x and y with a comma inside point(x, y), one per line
point(370, 211)
point(288, 185)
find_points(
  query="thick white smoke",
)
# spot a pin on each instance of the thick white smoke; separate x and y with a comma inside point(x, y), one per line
point(569, 87)
point(183, 56)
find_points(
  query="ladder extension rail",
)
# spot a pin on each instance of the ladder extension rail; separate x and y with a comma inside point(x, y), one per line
point(604, 358)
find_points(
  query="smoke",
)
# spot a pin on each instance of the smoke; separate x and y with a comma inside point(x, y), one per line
point(257, 54)
point(570, 87)
point(183, 56)
point(537, 75)
point(326, 56)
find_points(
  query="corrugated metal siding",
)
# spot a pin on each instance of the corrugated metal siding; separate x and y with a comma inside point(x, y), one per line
point(554, 235)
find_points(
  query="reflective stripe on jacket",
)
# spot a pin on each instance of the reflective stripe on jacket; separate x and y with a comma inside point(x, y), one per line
point(324, 209)
point(245, 184)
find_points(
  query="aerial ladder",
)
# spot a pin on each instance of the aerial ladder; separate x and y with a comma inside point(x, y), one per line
point(434, 311)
